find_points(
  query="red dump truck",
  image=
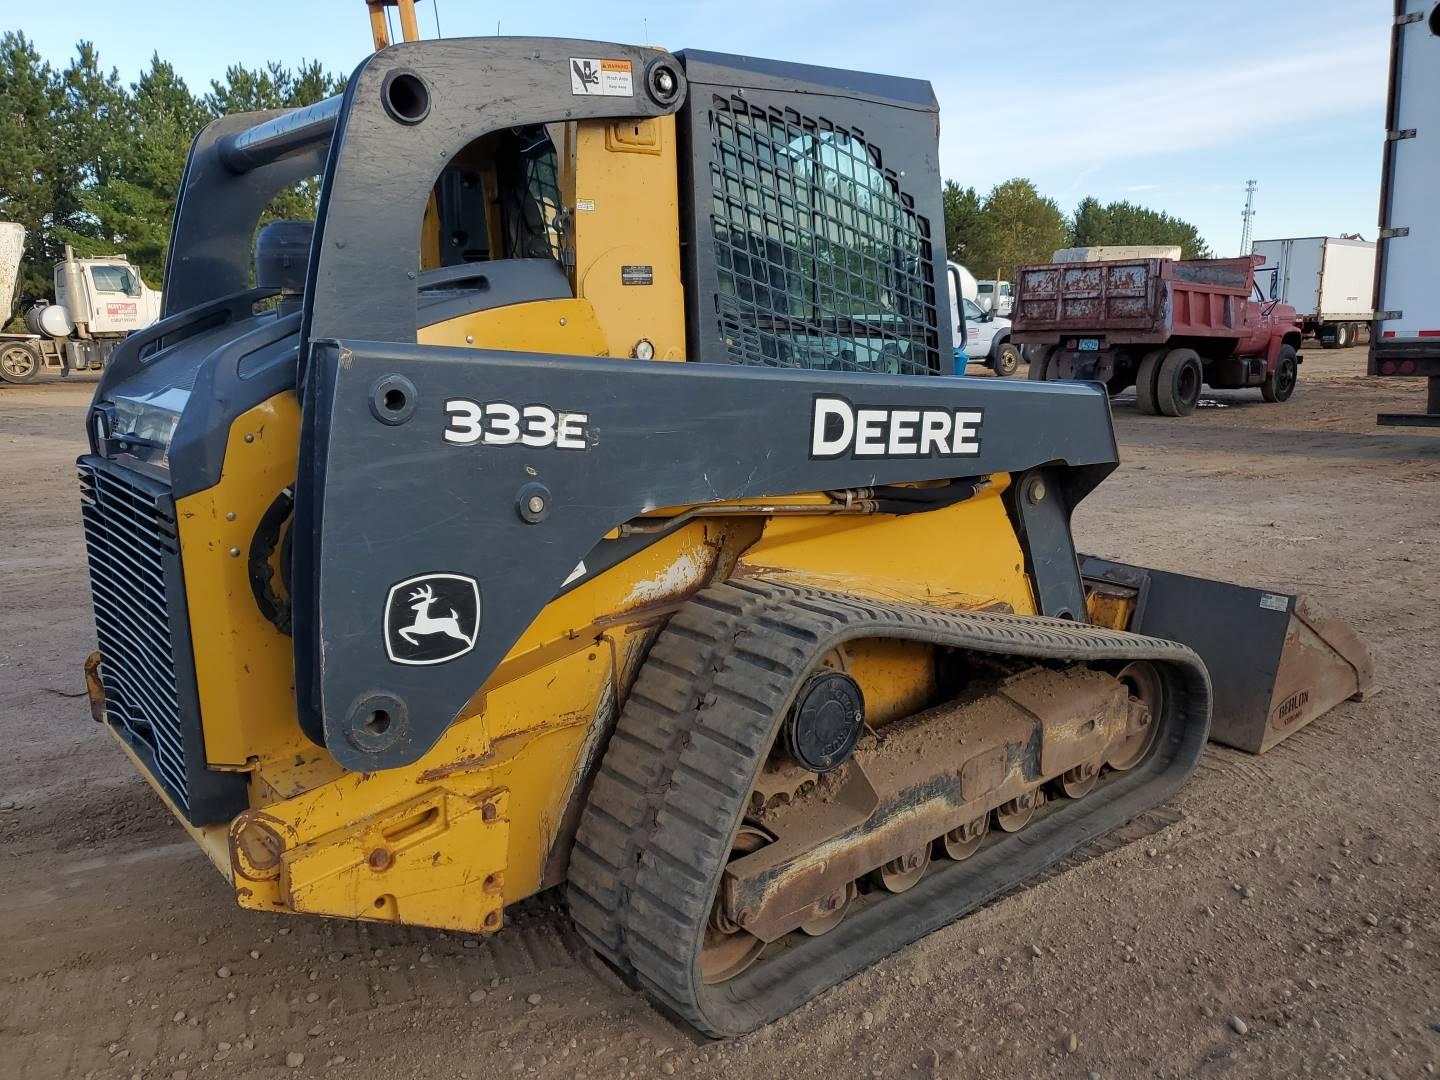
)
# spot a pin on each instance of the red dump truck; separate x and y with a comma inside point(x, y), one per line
point(1165, 326)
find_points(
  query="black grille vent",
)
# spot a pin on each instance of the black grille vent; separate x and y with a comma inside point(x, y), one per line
point(821, 260)
point(138, 593)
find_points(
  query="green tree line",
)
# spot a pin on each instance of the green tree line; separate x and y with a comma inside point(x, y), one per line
point(1015, 225)
point(89, 161)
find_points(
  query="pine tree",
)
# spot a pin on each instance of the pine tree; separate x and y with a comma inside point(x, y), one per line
point(30, 178)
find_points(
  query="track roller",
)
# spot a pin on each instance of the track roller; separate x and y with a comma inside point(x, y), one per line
point(960, 843)
point(902, 872)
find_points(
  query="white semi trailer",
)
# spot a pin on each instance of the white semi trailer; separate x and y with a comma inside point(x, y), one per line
point(1406, 336)
point(1326, 279)
point(98, 301)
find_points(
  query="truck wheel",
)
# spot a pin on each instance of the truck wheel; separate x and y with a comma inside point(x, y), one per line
point(19, 362)
point(1042, 363)
point(1177, 386)
point(1145, 382)
point(1006, 359)
point(1280, 383)
point(1343, 336)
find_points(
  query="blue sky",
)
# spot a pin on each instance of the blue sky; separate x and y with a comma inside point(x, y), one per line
point(1172, 106)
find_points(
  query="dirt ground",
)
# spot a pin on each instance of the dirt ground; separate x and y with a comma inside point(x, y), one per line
point(1278, 918)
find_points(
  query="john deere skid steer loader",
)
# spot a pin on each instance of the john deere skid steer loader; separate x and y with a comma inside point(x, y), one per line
point(584, 499)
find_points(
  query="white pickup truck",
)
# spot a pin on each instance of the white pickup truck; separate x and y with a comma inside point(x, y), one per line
point(981, 336)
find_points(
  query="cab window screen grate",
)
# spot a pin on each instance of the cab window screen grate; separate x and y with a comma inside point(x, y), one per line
point(821, 260)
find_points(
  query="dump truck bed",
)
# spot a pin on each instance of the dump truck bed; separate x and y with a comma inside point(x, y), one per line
point(1138, 301)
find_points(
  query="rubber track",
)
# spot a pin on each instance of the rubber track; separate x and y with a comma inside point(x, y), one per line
point(639, 760)
point(697, 727)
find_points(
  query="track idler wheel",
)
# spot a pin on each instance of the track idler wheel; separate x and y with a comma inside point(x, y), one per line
point(960, 843)
point(1016, 814)
point(729, 950)
point(1147, 701)
point(903, 871)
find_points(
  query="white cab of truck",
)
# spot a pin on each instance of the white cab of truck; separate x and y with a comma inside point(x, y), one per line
point(98, 301)
point(106, 295)
point(1406, 340)
point(995, 296)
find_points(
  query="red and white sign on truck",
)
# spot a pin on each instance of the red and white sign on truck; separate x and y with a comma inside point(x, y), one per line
point(1406, 338)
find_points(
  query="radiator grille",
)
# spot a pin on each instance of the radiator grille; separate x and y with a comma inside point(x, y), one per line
point(133, 552)
point(821, 260)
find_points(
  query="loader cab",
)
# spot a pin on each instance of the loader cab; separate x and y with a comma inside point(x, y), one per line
point(500, 199)
point(821, 259)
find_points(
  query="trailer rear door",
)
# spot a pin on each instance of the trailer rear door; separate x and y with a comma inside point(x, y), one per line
point(1407, 293)
point(1348, 280)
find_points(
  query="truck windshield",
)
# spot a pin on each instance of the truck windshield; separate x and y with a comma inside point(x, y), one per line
point(114, 279)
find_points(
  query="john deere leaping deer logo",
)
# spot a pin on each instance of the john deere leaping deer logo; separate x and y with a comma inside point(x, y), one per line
point(431, 618)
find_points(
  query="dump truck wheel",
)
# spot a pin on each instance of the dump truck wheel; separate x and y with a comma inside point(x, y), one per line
point(1280, 383)
point(1118, 383)
point(1343, 336)
point(1006, 360)
point(1178, 383)
point(1145, 382)
point(19, 362)
point(1042, 364)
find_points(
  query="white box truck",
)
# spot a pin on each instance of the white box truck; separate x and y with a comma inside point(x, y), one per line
point(1326, 279)
point(1406, 338)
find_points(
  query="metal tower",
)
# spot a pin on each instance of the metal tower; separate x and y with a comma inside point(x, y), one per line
point(1247, 216)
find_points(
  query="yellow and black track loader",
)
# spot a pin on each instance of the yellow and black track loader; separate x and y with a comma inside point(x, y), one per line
point(586, 499)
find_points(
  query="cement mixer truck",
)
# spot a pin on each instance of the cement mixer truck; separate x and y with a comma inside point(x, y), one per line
point(97, 302)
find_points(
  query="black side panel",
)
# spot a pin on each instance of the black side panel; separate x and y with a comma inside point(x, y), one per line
point(391, 501)
point(814, 229)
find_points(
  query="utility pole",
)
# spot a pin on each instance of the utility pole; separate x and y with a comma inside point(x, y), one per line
point(1247, 216)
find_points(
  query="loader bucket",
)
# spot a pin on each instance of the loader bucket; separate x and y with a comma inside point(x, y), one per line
point(1277, 660)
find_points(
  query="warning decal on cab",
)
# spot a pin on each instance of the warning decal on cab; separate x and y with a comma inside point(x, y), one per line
point(602, 78)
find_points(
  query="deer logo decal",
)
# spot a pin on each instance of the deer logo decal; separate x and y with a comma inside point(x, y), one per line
point(431, 618)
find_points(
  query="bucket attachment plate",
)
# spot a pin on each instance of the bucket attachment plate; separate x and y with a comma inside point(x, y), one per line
point(1277, 660)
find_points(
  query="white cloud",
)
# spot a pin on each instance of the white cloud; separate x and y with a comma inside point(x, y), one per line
point(1077, 121)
